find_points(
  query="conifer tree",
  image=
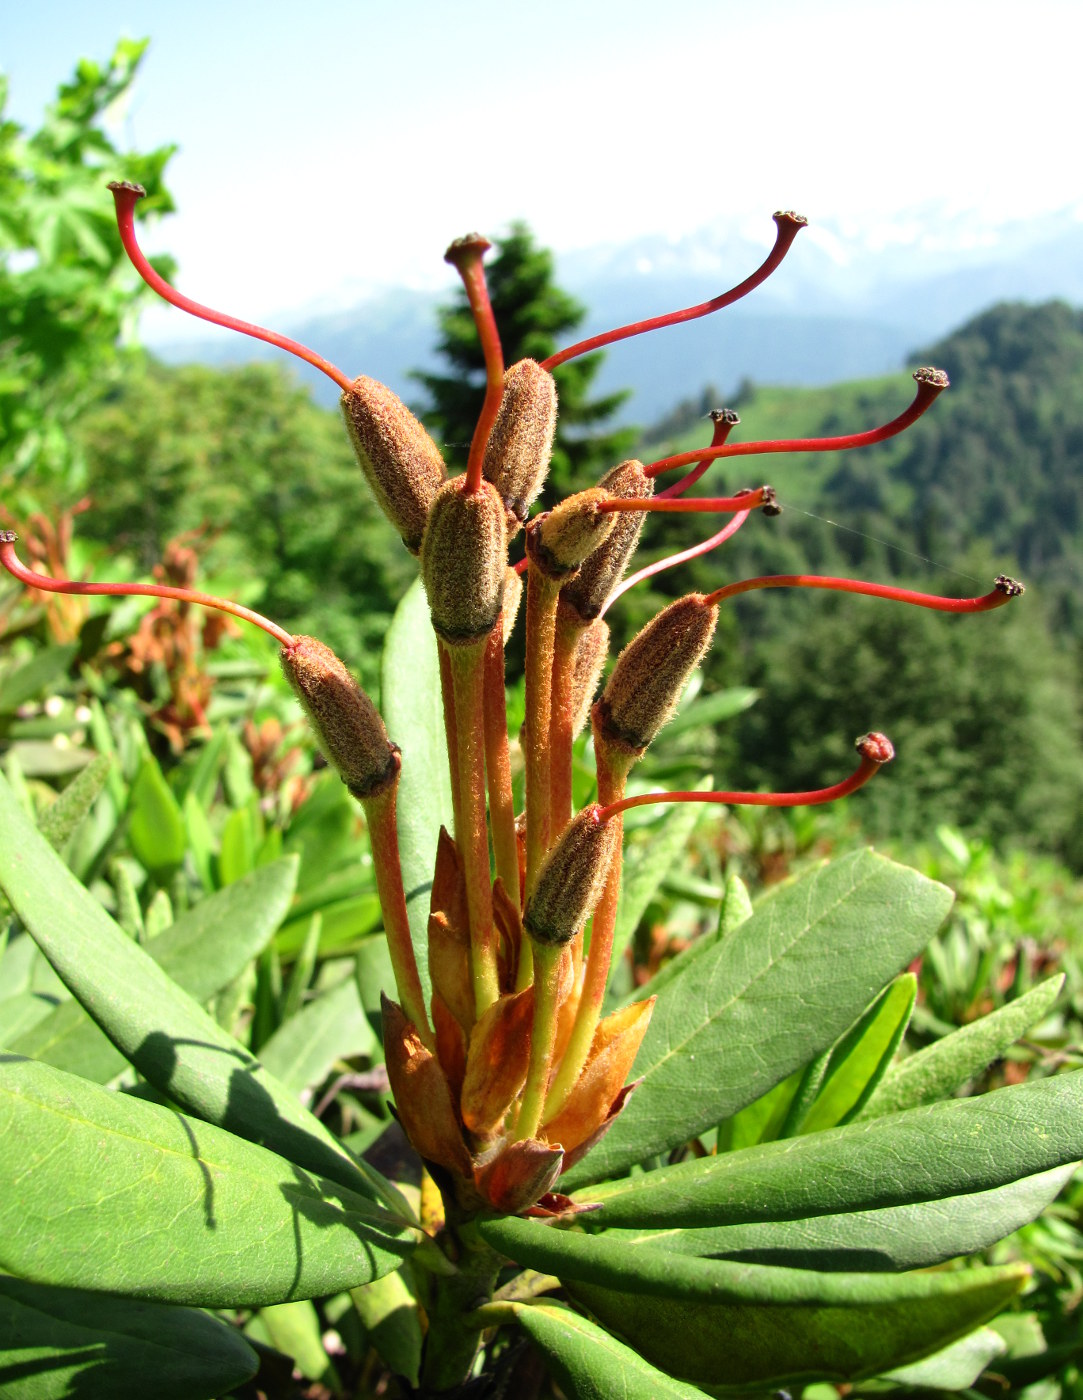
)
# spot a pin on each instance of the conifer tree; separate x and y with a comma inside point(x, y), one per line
point(534, 316)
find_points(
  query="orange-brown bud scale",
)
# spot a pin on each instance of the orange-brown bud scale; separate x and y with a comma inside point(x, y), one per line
point(464, 561)
point(350, 732)
point(613, 1050)
point(571, 879)
point(400, 461)
point(560, 540)
point(521, 442)
point(586, 593)
point(496, 1061)
point(422, 1095)
point(652, 671)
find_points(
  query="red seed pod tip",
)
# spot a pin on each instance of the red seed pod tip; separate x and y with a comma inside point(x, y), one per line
point(8, 536)
point(878, 748)
point(936, 378)
point(724, 415)
point(771, 504)
point(1010, 587)
point(463, 249)
point(787, 216)
point(119, 187)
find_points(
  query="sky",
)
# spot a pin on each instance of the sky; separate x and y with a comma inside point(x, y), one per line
point(337, 146)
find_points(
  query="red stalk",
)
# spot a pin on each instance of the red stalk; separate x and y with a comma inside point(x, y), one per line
point(672, 560)
point(787, 224)
point(724, 420)
point(134, 590)
point(931, 383)
point(126, 196)
point(875, 750)
point(465, 256)
point(1004, 589)
point(744, 500)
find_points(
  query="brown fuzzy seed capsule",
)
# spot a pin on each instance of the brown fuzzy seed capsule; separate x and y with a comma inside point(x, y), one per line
point(876, 747)
point(571, 880)
point(521, 442)
point(591, 651)
point(513, 596)
point(587, 592)
point(351, 733)
point(464, 560)
point(401, 463)
point(652, 670)
point(562, 538)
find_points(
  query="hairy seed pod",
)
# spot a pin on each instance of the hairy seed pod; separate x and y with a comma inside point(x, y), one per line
point(587, 592)
point(513, 596)
point(464, 560)
point(563, 537)
point(521, 442)
point(652, 670)
point(351, 733)
point(401, 463)
point(591, 651)
point(572, 878)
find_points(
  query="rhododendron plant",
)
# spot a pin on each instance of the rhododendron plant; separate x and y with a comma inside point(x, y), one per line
point(511, 1078)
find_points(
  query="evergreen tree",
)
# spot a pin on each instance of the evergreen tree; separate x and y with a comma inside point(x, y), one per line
point(531, 313)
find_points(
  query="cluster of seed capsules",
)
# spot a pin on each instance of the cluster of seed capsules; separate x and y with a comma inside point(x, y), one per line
point(507, 1074)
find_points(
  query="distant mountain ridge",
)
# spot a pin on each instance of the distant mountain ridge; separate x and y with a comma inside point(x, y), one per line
point(838, 309)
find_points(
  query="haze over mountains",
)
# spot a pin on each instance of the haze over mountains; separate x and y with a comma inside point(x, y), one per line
point(847, 303)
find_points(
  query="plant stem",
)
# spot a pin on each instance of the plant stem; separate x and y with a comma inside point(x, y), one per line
point(380, 813)
point(613, 768)
point(454, 1335)
point(543, 1034)
point(468, 682)
point(498, 764)
point(541, 615)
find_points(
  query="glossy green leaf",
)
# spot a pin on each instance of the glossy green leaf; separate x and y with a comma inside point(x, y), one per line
point(158, 1027)
point(709, 710)
point(237, 849)
point(944, 1066)
point(344, 924)
point(590, 1363)
point(28, 681)
point(413, 712)
point(924, 1154)
point(649, 862)
point(294, 1329)
point(389, 1313)
point(742, 1345)
point(660, 1273)
point(915, 1236)
point(61, 1342)
point(709, 1321)
point(150, 1203)
point(155, 825)
point(59, 821)
point(858, 1063)
point(202, 952)
point(957, 1367)
point(331, 1027)
point(763, 1002)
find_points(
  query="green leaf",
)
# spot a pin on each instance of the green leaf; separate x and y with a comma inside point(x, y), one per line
point(155, 825)
point(957, 1367)
point(147, 1202)
point(41, 671)
point(61, 1342)
point(914, 1236)
point(237, 851)
point(390, 1316)
point(944, 1066)
point(202, 952)
point(709, 710)
point(703, 1319)
point(413, 712)
point(294, 1330)
point(649, 862)
point(857, 1064)
point(158, 1027)
point(589, 1363)
point(59, 821)
point(332, 1027)
point(924, 1154)
point(768, 998)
